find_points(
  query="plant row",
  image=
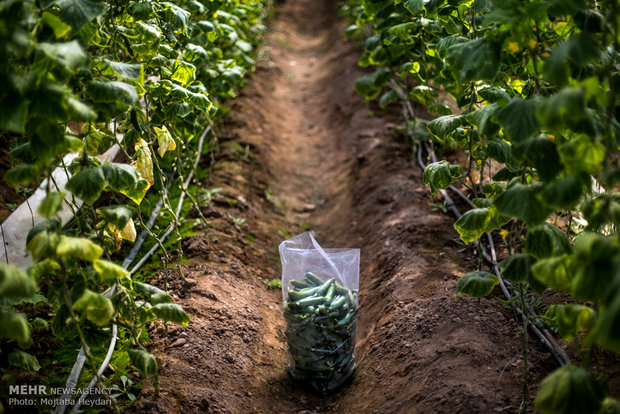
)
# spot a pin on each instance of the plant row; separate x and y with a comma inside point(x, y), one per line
point(528, 90)
point(82, 76)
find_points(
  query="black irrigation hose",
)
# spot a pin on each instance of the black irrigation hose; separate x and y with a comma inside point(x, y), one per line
point(81, 358)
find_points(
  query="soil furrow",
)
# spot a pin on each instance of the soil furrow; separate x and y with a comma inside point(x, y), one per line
point(302, 151)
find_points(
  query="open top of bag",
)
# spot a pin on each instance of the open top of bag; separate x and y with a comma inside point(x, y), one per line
point(302, 254)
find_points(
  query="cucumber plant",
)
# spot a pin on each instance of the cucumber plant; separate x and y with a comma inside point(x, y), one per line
point(81, 76)
point(536, 84)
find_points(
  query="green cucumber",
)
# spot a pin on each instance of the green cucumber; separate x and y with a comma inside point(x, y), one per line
point(337, 302)
point(322, 290)
point(313, 279)
point(330, 292)
point(298, 284)
point(309, 301)
point(298, 294)
point(351, 298)
point(346, 320)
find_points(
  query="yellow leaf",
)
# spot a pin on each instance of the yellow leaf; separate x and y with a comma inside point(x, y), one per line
point(144, 162)
point(129, 231)
point(532, 43)
point(165, 140)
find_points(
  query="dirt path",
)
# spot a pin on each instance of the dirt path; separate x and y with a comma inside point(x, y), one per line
point(301, 151)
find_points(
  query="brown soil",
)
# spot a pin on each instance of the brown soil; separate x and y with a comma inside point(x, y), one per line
point(301, 150)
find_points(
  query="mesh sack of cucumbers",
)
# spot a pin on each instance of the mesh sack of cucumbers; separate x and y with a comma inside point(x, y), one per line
point(320, 293)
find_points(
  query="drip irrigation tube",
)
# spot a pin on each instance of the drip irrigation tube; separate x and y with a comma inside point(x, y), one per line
point(81, 358)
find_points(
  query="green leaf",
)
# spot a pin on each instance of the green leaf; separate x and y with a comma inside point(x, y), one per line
point(51, 225)
point(505, 174)
point(494, 95)
point(521, 201)
point(22, 174)
point(387, 98)
point(446, 42)
point(19, 358)
point(77, 13)
point(78, 248)
point(13, 117)
point(610, 406)
point(51, 204)
point(118, 215)
point(144, 362)
point(517, 268)
point(43, 244)
point(423, 94)
point(569, 390)
point(566, 192)
point(176, 110)
point(183, 72)
point(68, 55)
point(402, 30)
point(78, 111)
point(546, 240)
point(476, 284)
point(194, 53)
point(607, 329)
point(414, 6)
point(563, 108)
point(60, 29)
point(112, 91)
point(581, 155)
point(141, 10)
point(176, 16)
point(576, 52)
point(171, 312)
point(555, 271)
point(109, 271)
point(15, 283)
point(473, 224)
point(493, 189)
point(481, 6)
point(97, 308)
point(601, 210)
point(121, 177)
point(370, 85)
point(484, 119)
point(474, 60)
point(14, 326)
point(39, 323)
point(444, 125)
point(518, 118)
point(438, 109)
point(154, 293)
point(571, 319)
point(595, 266)
point(87, 184)
point(439, 175)
point(542, 154)
point(125, 70)
point(502, 151)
